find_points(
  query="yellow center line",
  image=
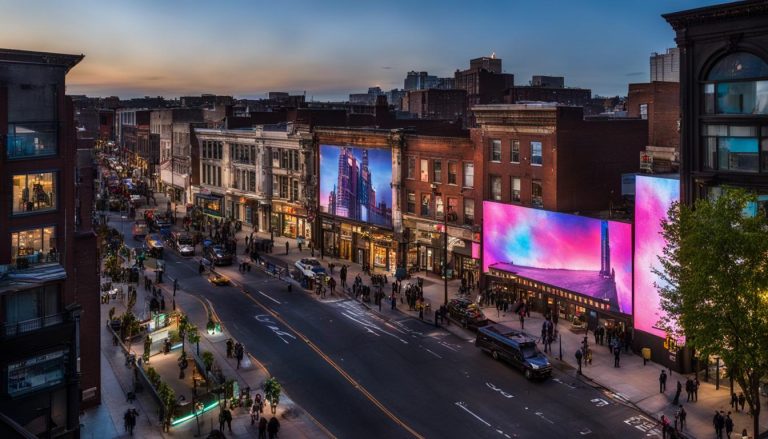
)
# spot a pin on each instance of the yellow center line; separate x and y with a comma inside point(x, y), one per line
point(341, 371)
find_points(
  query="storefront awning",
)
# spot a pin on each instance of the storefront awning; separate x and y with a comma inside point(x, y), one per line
point(209, 197)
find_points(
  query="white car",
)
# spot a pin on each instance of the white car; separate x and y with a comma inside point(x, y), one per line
point(309, 267)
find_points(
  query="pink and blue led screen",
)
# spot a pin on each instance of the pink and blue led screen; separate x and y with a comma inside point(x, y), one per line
point(356, 183)
point(588, 256)
point(653, 196)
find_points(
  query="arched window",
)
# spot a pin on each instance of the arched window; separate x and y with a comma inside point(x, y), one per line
point(737, 84)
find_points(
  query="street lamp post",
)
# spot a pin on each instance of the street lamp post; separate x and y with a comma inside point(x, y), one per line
point(435, 194)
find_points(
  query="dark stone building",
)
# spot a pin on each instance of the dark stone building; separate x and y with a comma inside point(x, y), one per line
point(436, 104)
point(49, 308)
point(723, 97)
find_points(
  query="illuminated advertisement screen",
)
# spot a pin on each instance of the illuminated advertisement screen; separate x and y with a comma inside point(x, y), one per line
point(588, 256)
point(653, 196)
point(355, 183)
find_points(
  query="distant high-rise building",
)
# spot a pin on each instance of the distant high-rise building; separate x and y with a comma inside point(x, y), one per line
point(484, 82)
point(665, 67)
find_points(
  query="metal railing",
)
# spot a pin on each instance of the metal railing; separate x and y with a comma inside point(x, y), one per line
point(13, 329)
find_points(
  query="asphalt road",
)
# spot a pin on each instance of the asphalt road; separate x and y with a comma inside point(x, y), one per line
point(363, 376)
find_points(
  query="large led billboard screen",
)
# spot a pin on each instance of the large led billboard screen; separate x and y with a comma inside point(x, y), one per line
point(587, 256)
point(356, 183)
point(653, 196)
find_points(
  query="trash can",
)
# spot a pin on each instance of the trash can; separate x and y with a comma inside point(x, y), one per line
point(646, 355)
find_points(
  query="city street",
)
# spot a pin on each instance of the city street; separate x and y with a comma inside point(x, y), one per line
point(360, 375)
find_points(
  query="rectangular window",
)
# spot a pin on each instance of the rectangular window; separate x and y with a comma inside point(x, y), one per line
point(469, 175)
point(33, 246)
point(424, 170)
point(536, 158)
point(514, 149)
point(731, 147)
point(27, 305)
point(295, 190)
point(496, 187)
point(36, 373)
point(469, 211)
point(537, 194)
point(34, 192)
point(644, 111)
point(275, 158)
point(425, 200)
point(410, 205)
point(439, 206)
point(285, 159)
point(252, 181)
point(745, 97)
point(453, 205)
point(275, 185)
point(411, 170)
point(437, 171)
point(452, 171)
point(218, 176)
point(495, 153)
point(515, 189)
point(32, 129)
point(283, 186)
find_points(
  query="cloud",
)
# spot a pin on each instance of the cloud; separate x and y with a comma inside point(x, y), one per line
point(635, 74)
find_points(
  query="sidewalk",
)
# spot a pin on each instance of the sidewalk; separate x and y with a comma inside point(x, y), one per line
point(634, 383)
point(106, 420)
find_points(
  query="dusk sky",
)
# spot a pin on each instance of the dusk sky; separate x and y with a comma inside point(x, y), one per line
point(332, 48)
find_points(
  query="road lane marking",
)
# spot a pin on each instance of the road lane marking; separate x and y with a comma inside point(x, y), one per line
point(268, 297)
point(541, 415)
point(370, 326)
point(462, 405)
point(557, 380)
point(342, 372)
point(267, 321)
point(644, 424)
point(438, 356)
point(599, 402)
point(501, 392)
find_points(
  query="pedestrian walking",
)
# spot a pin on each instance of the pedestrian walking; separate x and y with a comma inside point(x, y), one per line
point(734, 401)
point(287, 246)
point(393, 301)
point(228, 419)
point(718, 421)
point(222, 420)
point(578, 359)
point(678, 391)
point(728, 425)
point(696, 389)
point(689, 389)
point(662, 381)
point(664, 427)
point(683, 415)
point(616, 356)
point(127, 420)
point(263, 428)
point(254, 411)
point(742, 400)
point(239, 353)
point(273, 427)
point(230, 347)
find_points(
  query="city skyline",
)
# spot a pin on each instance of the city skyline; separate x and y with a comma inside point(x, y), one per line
point(246, 49)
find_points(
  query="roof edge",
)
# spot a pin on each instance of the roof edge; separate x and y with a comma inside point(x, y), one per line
point(32, 57)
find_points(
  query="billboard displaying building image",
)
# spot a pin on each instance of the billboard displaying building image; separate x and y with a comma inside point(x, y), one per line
point(355, 183)
point(653, 196)
point(588, 256)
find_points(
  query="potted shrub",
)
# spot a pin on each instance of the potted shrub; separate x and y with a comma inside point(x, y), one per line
point(272, 393)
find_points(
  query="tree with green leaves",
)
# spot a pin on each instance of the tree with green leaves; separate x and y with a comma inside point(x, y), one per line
point(272, 392)
point(184, 326)
point(715, 265)
point(193, 336)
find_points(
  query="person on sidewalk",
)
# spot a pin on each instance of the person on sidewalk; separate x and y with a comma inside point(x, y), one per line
point(728, 425)
point(678, 391)
point(742, 400)
point(263, 428)
point(222, 420)
point(254, 411)
point(664, 427)
point(273, 427)
point(689, 389)
point(228, 419)
point(616, 356)
point(682, 414)
point(239, 353)
point(393, 301)
point(287, 246)
point(332, 285)
point(734, 401)
point(663, 381)
point(696, 385)
point(718, 421)
point(230, 347)
point(578, 360)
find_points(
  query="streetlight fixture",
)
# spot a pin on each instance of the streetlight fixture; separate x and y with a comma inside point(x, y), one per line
point(436, 194)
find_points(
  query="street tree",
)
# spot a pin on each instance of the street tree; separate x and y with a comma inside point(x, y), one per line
point(715, 267)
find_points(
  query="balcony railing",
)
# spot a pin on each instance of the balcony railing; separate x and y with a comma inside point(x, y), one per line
point(31, 139)
point(14, 329)
point(36, 259)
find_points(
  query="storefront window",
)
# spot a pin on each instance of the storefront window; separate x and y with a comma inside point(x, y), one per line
point(34, 192)
point(289, 226)
point(210, 206)
point(33, 246)
point(380, 256)
point(36, 373)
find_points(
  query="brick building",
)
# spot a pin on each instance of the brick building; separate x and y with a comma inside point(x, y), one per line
point(659, 103)
point(436, 104)
point(49, 296)
point(439, 175)
point(548, 156)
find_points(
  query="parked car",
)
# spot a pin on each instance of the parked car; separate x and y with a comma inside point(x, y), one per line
point(466, 313)
point(217, 255)
point(309, 267)
point(516, 348)
point(183, 243)
point(140, 229)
